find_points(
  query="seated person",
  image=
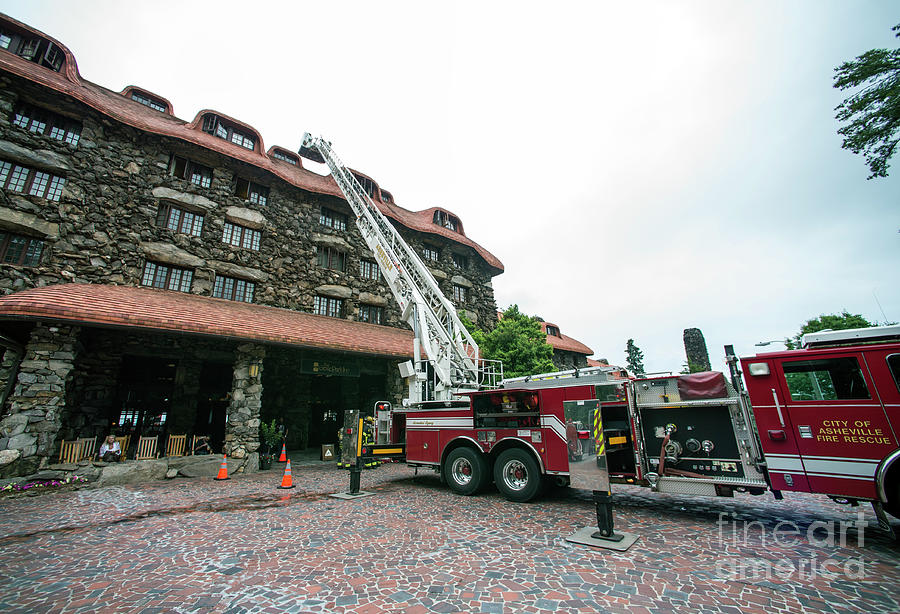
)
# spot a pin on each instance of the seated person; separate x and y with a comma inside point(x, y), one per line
point(203, 445)
point(110, 451)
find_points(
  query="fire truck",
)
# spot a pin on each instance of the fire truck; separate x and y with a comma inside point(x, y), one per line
point(821, 419)
point(824, 418)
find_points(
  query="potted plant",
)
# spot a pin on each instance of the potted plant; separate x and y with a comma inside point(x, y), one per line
point(269, 439)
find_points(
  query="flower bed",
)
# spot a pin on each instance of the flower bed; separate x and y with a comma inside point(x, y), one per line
point(38, 486)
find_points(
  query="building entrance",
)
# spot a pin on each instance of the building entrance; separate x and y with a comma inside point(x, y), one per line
point(145, 390)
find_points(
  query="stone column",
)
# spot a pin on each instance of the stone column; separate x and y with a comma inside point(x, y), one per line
point(695, 349)
point(38, 399)
point(242, 428)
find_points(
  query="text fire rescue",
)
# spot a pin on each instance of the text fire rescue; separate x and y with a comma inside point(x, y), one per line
point(858, 433)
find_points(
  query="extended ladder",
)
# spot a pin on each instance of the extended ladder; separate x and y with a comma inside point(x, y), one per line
point(452, 353)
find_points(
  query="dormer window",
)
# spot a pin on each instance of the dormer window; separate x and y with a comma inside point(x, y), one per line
point(285, 157)
point(386, 196)
point(216, 127)
point(442, 218)
point(552, 330)
point(34, 49)
point(367, 185)
point(147, 101)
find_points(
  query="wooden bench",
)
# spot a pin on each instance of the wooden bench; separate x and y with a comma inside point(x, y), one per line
point(146, 448)
point(70, 451)
point(175, 445)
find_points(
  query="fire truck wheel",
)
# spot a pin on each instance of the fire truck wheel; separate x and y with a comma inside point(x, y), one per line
point(516, 475)
point(465, 471)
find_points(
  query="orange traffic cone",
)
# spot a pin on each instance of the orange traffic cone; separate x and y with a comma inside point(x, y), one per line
point(287, 481)
point(283, 456)
point(223, 469)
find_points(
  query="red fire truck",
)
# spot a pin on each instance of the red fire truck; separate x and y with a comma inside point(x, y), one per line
point(821, 419)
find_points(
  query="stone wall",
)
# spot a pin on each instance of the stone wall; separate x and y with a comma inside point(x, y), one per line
point(37, 402)
point(564, 360)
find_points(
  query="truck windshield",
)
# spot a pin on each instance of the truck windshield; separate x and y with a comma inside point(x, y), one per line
point(830, 379)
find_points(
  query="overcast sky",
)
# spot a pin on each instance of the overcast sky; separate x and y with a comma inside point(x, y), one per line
point(639, 168)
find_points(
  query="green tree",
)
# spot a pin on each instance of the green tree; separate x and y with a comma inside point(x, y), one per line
point(841, 321)
point(518, 341)
point(634, 358)
point(873, 112)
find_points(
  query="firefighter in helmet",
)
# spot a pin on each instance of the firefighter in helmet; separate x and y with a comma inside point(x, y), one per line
point(368, 436)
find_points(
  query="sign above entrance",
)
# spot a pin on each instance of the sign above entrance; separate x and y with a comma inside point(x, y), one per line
point(349, 368)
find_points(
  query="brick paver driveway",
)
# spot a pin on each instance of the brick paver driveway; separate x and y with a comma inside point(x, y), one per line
point(244, 546)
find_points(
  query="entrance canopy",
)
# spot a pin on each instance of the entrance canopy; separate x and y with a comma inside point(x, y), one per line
point(176, 312)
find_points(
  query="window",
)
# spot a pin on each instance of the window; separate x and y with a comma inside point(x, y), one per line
point(368, 269)
point(37, 50)
point(552, 330)
point(253, 192)
point(367, 185)
point(894, 365)
point(24, 180)
point(284, 157)
point(215, 126)
point(147, 101)
point(825, 380)
point(187, 169)
point(430, 253)
point(167, 277)
point(330, 258)
point(442, 218)
point(333, 219)
point(16, 249)
point(179, 220)
point(387, 196)
point(240, 236)
point(371, 313)
point(326, 306)
point(461, 262)
point(233, 289)
point(459, 294)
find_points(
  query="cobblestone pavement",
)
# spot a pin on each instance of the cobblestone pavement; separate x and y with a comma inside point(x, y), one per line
point(198, 545)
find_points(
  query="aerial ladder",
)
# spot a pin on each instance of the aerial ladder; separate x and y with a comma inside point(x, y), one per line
point(453, 364)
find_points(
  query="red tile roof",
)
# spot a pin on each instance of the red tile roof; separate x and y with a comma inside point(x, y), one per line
point(139, 116)
point(565, 343)
point(176, 312)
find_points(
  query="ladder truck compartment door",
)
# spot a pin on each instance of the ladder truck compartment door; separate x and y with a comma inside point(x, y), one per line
point(776, 432)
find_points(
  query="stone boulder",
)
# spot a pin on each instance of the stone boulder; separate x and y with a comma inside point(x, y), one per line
point(206, 466)
point(132, 472)
point(8, 456)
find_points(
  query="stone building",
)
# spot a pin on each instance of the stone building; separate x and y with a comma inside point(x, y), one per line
point(163, 276)
point(568, 353)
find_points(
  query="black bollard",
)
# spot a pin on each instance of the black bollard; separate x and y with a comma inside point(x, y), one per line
point(603, 500)
point(355, 472)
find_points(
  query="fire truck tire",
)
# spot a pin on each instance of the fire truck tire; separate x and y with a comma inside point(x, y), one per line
point(465, 471)
point(517, 476)
point(893, 492)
